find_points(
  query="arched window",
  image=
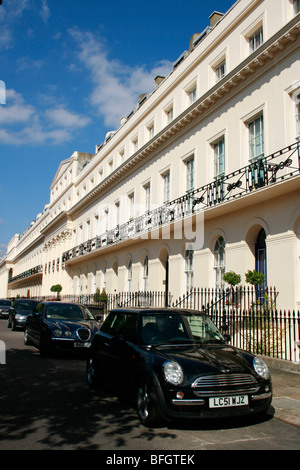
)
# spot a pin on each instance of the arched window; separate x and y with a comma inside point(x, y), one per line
point(145, 273)
point(219, 262)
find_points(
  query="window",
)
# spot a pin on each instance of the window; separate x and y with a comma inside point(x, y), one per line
point(256, 138)
point(297, 113)
point(117, 207)
point(147, 197)
point(166, 187)
point(135, 144)
point(255, 40)
point(189, 174)
point(150, 129)
point(189, 270)
point(129, 276)
point(169, 114)
point(131, 206)
point(121, 324)
point(189, 183)
point(219, 168)
point(106, 220)
point(145, 273)
point(220, 71)
point(296, 6)
point(192, 95)
point(122, 155)
point(219, 262)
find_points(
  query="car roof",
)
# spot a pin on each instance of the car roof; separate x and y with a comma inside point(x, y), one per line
point(55, 302)
point(159, 310)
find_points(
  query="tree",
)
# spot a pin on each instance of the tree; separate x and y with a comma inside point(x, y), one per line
point(56, 288)
point(232, 278)
point(255, 277)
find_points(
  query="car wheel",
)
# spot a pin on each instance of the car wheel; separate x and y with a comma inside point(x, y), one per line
point(92, 376)
point(26, 338)
point(148, 407)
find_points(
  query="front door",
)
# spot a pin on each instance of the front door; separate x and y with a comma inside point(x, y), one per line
point(261, 255)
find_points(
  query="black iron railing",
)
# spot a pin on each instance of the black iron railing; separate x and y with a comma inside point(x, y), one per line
point(264, 172)
point(26, 274)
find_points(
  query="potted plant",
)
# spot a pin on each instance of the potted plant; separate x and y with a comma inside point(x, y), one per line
point(233, 279)
point(56, 288)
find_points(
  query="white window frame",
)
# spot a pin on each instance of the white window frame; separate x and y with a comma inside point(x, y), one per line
point(145, 273)
point(219, 254)
point(166, 186)
point(220, 70)
point(256, 139)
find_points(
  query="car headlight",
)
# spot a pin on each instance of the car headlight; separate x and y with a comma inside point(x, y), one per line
point(173, 372)
point(57, 333)
point(261, 368)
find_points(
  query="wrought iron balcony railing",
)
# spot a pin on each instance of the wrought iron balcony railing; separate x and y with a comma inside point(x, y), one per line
point(264, 172)
point(26, 274)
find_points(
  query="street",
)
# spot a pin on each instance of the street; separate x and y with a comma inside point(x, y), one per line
point(45, 404)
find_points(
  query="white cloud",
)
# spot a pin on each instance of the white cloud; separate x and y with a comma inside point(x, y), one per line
point(45, 11)
point(62, 117)
point(22, 123)
point(16, 110)
point(116, 85)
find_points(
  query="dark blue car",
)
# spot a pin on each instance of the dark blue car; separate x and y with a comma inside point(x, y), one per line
point(59, 326)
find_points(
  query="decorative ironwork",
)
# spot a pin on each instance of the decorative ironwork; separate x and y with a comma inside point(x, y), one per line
point(263, 172)
point(30, 272)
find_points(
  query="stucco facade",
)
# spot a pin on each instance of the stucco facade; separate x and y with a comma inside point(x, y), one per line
point(201, 178)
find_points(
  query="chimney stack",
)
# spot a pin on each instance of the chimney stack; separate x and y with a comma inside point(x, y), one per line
point(215, 17)
point(158, 80)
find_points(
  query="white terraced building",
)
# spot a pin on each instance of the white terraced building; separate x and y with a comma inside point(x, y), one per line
point(201, 178)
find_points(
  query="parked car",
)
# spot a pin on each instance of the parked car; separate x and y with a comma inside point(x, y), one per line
point(59, 326)
point(19, 311)
point(176, 364)
point(4, 307)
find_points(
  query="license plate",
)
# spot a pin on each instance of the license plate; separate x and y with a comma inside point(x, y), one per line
point(82, 345)
point(222, 402)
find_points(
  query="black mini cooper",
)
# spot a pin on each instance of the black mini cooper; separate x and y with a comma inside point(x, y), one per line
point(176, 363)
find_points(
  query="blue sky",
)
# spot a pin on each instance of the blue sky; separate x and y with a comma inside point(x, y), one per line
point(71, 70)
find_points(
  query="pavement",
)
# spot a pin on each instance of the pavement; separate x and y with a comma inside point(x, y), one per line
point(286, 390)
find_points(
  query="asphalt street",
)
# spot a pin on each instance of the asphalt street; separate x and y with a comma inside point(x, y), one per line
point(45, 404)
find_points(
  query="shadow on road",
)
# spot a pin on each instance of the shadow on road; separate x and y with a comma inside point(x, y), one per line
point(46, 404)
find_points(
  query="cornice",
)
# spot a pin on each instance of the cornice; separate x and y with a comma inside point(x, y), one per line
point(251, 66)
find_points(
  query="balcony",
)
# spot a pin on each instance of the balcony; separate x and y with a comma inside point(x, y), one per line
point(263, 173)
point(30, 273)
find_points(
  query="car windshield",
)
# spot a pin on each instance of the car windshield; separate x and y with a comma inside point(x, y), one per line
point(26, 304)
point(176, 328)
point(68, 312)
point(5, 303)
